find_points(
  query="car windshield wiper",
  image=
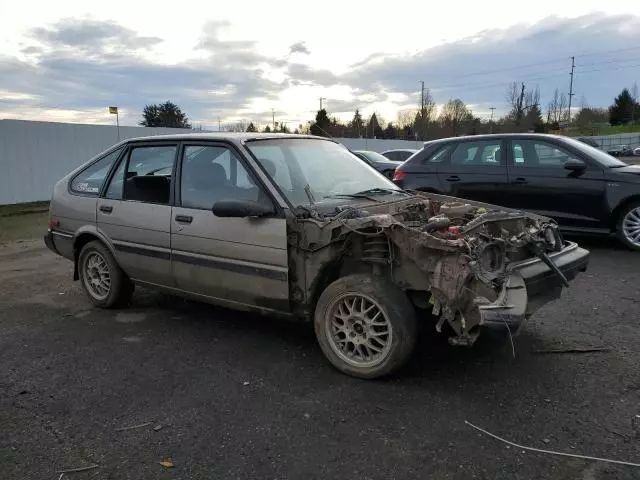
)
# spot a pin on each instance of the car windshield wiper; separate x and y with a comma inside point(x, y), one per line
point(380, 191)
point(352, 195)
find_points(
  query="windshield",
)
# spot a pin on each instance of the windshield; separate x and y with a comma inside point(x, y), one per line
point(328, 168)
point(376, 157)
point(599, 156)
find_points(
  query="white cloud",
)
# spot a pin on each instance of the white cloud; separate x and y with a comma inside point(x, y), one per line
point(217, 59)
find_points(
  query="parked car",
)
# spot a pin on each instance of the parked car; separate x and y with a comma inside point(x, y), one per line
point(297, 226)
point(636, 151)
point(379, 162)
point(620, 151)
point(582, 188)
point(399, 154)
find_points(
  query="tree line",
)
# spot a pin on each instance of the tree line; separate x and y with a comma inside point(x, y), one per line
point(525, 114)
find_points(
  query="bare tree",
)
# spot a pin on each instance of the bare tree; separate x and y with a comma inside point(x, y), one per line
point(425, 114)
point(407, 117)
point(453, 114)
point(240, 126)
point(522, 103)
point(557, 108)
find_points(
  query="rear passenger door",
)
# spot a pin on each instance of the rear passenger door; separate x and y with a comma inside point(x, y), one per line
point(234, 260)
point(135, 211)
point(475, 170)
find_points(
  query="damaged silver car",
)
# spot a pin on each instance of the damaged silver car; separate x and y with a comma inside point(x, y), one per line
point(297, 226)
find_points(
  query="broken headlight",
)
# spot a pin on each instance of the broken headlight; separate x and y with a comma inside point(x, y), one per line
point(552, 238)
point(490, 260)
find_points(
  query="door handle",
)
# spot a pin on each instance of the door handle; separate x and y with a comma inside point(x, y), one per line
point(106, 208)
point(453, 178)
point(184, 218)
point(519, 180)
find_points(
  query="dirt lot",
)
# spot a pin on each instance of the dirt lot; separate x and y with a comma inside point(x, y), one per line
point(228, 395)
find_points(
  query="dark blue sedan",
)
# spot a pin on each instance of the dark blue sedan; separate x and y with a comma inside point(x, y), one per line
point(377, 161)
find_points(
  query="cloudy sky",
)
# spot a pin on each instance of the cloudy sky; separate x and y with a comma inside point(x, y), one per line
point(69, 60)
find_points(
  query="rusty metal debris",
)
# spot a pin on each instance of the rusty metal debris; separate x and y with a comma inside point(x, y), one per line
point(454, 257)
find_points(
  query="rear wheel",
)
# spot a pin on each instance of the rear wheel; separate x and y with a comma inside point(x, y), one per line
point(628, 228)
point(365, 325)
point(102, 279)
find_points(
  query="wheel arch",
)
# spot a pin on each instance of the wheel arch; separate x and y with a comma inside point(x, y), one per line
point(84, 236)
point(615, 216)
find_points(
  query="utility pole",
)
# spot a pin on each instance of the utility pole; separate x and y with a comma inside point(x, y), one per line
point(571, 94)
point(491, 120)
point(321, 98)
point(422, 119)
point(273, 120)
point(219, 129)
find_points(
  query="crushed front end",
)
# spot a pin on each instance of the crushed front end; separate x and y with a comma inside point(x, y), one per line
point(465, 264)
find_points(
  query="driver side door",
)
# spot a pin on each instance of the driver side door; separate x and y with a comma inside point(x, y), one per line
point(237, 261)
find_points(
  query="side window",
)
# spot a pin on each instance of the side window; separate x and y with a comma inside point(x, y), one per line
point(214, 173)
point(538, 154)
point(392, 156)
point(90, 180)
point(146, 177)
point(480, 153)
point(439, 156)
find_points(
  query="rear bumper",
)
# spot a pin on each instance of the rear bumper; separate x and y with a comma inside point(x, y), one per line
point(48, 241)
point(530, 285)
point(60, 243)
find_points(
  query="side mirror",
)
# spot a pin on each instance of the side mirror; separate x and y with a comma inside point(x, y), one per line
point(241, 209)
point(575, 165)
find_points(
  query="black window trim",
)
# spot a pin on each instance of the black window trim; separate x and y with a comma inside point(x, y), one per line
point(279, 211)
point(106, 180)
point(127, 156)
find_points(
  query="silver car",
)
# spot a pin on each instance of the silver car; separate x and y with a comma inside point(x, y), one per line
point(297, 226)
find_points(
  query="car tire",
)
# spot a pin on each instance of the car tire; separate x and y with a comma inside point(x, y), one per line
point(628, 219)
point(102, 279)
point(365, 325)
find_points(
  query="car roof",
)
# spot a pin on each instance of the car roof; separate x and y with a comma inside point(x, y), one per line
point(401, 150)
point(235, 137)
point(490, 136)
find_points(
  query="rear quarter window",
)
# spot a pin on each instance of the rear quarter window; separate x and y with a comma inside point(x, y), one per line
point(89, 181)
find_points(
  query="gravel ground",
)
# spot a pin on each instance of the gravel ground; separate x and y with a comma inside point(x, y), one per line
point(228, 395)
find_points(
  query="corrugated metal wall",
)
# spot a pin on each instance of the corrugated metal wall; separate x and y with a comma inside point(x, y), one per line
point(34, 155)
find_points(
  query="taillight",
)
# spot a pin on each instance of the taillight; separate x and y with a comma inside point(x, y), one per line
point(54, 222)
point(399, 175)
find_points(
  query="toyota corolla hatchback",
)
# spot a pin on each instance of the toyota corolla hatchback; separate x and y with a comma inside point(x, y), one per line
point(297, 226)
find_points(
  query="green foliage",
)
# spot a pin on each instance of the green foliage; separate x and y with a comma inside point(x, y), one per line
point(322, 125)
point(623, 109)
point(251, 128)
point(166, 114)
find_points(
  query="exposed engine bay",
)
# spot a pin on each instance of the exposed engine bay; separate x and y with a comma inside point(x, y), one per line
point(456, 259)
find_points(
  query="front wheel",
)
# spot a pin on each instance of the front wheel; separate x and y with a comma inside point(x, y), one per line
point(628, 228)
point(365, 325)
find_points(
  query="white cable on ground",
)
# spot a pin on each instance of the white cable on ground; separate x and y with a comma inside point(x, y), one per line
point(584, 457)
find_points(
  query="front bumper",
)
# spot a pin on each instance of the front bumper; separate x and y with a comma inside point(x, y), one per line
point(530, 285)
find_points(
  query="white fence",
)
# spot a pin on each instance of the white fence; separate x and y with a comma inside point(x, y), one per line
point(34, 155)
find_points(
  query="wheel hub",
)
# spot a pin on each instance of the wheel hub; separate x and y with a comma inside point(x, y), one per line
point(359, 332)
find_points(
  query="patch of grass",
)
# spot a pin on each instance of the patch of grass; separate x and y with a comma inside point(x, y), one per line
point(23, 227)
point(23, 208)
